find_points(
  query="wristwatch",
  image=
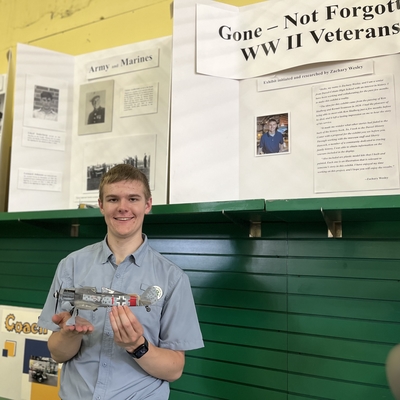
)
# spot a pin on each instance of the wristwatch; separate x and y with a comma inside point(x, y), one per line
point(141, 350)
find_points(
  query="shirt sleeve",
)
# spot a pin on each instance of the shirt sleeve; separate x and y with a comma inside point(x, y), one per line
point(180, 328)
point(51, 306)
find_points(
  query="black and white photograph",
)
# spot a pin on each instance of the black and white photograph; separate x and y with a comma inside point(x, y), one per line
point(95, 172)
point(43, 370)
point(45, 103)
point(96, 107)
point(102, 155)
point(272, 134)
point(97, 113)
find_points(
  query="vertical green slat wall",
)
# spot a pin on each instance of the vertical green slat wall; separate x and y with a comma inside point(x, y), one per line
point(291, 315)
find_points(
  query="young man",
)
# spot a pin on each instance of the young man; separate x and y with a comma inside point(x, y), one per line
point(272, 140)
point(46, 111)
point(122, 352)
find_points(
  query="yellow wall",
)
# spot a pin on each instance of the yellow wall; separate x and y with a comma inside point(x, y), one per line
point(81, 26)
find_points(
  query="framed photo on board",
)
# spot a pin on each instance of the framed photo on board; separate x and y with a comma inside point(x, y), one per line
point(45, 103)
point(272, 134)
point(96, 107)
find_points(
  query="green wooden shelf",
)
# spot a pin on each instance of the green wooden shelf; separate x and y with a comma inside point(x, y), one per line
point(362, 208)
point(245, 212)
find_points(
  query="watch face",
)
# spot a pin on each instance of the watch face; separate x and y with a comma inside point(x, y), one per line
point(141, 351)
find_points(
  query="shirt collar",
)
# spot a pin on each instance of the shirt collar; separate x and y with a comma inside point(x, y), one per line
point(138, 256)
point(140, 253)
point(106, 252)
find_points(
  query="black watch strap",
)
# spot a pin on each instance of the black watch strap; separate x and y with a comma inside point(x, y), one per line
point(141, 350)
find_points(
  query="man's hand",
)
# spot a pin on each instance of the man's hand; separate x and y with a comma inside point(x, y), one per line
point(128, 331)
point(161, 363)
point(82, 326)
point(65, 343)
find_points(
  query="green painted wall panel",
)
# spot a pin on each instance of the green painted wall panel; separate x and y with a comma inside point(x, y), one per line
point(372, 331)
point(244, 354)
point(368, 309)
point(236, 281)
point(217, 389)
point(298, 397)
point(232, 334)
point(31, 298)
point(343, 370)
point(255, 300)
point(230, 263)
point(185, 395)
point(335, 390)
point(255, 319)
point(345, 267)
point(343, 248)
point(357, 288)
point(40, 244)
point(249, 246)
point(238, 373)
point(24, 282)
point(337, 348)
point(28, 268)
point(33, 256)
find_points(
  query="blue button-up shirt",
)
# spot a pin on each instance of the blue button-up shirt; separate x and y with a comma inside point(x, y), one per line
point(102, 370)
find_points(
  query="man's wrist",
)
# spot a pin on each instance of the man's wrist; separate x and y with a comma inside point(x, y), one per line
point(140, 350)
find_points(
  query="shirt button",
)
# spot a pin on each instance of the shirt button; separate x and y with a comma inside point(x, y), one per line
point(118, 275)
point(104, 364)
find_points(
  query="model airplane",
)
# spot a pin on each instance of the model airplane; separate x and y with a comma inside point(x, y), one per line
point(87, 298)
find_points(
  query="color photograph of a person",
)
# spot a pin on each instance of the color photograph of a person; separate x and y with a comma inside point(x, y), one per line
point(272, 134)
point(45, 103)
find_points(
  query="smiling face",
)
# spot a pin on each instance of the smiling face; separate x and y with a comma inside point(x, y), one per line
point(272, 125)
point(124, 206)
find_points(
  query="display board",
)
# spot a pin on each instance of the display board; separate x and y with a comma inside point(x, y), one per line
point(26, 363)
point(76, 117)
point(284, 101)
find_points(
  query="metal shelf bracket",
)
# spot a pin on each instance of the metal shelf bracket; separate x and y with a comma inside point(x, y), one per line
point(333, 220)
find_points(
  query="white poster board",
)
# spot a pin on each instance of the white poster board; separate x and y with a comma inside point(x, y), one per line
point(77, 116)
point(230, 98)
point(25, 364)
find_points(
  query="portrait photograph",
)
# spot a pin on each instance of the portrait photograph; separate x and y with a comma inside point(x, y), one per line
point(272, 134)
point(96, 107)
point(45, 103)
